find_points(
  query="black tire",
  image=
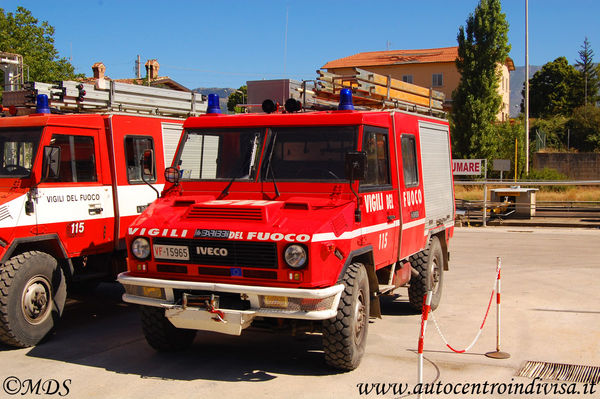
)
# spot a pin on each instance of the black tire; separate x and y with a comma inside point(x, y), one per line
point(33, 291)
point(345, 336)
point(429, 264)
point(161, 334)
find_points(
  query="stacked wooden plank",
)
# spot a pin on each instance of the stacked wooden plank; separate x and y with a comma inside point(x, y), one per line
point(377, 91)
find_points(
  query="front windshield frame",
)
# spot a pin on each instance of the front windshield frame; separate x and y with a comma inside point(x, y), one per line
point(214, 155)
point(18, 149)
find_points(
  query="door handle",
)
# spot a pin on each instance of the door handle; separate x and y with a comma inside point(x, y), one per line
point(95, 210)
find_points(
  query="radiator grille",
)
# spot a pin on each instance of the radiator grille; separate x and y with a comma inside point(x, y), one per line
point(261, 274)
point(171, 269)
point(237, 213)
point(229, 253)
point(214, 271)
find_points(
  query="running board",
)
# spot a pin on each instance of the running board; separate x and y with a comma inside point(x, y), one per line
point(385, 288)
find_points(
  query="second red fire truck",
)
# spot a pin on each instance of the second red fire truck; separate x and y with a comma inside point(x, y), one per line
point(293, 219)
point(70, 184)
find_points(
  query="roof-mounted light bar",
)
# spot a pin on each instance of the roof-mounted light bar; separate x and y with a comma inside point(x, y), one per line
point(42, 104)
point(346, 100)
point(213, 104)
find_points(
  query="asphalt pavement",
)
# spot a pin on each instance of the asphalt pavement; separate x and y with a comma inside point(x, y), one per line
point(550, 313)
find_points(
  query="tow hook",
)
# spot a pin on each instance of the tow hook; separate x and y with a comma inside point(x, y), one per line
point(219, 315)
point(208, 302)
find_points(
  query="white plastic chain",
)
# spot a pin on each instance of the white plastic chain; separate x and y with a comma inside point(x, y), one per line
point(496, 282)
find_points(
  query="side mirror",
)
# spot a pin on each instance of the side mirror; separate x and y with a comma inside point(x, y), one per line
point(148, 163)
point(51, 163)
point(356, 165)
point(356, 169)
point(172, 175)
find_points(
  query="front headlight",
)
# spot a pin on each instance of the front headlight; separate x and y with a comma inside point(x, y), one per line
point(295, 256)
point(140, 248)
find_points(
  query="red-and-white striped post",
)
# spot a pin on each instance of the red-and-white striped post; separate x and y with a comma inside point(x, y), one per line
point(424, 317)
point(498, 354)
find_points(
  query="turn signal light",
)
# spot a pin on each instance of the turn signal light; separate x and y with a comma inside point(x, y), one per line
point(295, 276)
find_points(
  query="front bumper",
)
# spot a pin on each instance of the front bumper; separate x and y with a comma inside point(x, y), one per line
point(292, 303)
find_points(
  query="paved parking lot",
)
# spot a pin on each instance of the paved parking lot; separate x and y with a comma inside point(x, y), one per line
point(551, 313)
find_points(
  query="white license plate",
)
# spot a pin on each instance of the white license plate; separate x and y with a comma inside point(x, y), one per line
point(177, 252)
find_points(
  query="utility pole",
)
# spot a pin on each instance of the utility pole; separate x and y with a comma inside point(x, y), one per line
point(526, 87)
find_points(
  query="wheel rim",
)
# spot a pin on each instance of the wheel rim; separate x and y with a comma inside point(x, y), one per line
point(360, 317)
point(36, 300)
point(434, 275)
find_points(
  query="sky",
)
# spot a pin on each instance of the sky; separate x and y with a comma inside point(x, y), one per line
point(220, 43)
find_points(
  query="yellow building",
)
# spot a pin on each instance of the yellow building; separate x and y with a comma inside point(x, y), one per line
point(433, 68)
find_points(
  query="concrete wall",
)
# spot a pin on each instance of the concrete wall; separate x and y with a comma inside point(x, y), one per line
point(577, 166)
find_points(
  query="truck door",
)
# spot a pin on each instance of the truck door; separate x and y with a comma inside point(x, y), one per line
point(411, 197)
point(135, 195)
point(380, 201)
point(76, 205)
point(130, 136)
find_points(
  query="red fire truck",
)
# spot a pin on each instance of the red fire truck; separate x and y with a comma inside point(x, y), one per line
point(293, 219)
point(69, 186)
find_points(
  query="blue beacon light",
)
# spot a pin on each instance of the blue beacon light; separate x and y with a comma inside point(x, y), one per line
point(346, 100)
point(213, 104)
point(41, 106)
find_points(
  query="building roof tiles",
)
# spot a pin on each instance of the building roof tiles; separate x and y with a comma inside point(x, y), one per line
point(399, 57)
point(395, 57)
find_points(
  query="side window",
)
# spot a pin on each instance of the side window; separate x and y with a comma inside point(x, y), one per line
point(134, 148)
point(375, 144)
point(437, 79)
point(409, 161)
point(77, 158)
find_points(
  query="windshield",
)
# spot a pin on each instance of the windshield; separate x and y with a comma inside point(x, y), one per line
point(292, 153)
point(308, 153)
point(17, 151)
point(221, 154)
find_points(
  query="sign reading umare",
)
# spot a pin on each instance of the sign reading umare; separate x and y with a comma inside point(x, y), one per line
point(466, 166)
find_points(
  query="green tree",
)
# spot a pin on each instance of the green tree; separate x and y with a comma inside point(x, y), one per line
point(509, 134)
point(21, 33)
point(552, 132)
point(584, 128)
point(482, 47)
point(553, 89)
point(588, 85)
point(240, 96)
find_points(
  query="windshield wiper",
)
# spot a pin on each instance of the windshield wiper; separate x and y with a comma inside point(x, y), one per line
point(225, 191)
point(255, 141)
point(274, 182)
point(270, 169)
